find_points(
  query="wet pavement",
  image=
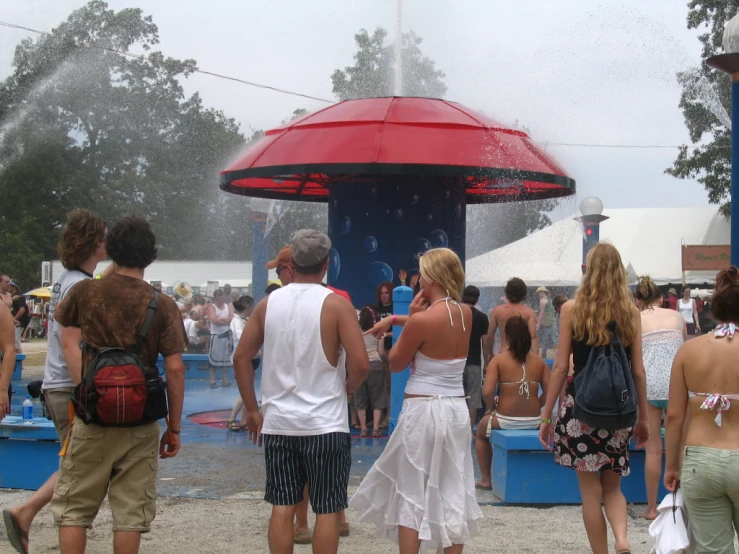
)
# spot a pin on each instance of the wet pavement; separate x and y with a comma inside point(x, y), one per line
point(217, 463)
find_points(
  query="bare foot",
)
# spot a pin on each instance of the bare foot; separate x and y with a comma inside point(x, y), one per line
point(484, 485)
point(649, 515)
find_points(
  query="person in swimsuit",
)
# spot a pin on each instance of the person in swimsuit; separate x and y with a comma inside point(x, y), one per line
point(663, 331)
point(705, 384)
point(517, 373)
point(515, 293)
point(421, 491)
point(600, 457)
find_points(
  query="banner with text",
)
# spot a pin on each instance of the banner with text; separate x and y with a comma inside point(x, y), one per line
point(706, 258)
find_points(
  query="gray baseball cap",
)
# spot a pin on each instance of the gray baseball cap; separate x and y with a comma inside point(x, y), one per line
point(309, 247)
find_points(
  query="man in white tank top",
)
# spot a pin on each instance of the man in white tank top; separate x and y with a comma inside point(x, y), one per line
point(313, 356)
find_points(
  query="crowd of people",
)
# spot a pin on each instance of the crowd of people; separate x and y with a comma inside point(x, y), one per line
point(323, 361)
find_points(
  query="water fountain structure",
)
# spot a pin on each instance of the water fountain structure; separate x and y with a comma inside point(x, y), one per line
point(398, 174)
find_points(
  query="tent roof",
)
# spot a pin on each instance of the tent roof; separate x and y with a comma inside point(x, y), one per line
point(195, 273)
point(648, 239)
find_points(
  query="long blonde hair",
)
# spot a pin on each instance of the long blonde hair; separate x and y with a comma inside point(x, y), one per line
point(443, 267)
point(603, 296)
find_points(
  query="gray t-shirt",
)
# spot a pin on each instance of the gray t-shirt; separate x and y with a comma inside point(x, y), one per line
point(56, 375)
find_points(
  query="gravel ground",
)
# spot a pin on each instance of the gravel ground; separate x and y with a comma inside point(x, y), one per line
point(228, 521)
point(239, 524)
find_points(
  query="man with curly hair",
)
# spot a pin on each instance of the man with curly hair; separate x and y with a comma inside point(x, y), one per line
point(515, 294)
point(81, 246)
point(120, 462)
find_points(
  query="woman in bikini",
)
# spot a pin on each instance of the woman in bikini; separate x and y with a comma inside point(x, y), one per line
point(517, 373)
point(705, 383)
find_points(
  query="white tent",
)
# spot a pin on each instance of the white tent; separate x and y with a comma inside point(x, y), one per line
point(648, 239)
point(195, 273)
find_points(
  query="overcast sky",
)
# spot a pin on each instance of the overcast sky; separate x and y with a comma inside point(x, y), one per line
point(572, 71)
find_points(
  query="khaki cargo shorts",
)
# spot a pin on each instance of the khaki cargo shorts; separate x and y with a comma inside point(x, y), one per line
point(120, 461)
point(57, 404)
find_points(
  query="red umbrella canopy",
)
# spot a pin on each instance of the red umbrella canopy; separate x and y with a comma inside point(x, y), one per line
point(382, 138)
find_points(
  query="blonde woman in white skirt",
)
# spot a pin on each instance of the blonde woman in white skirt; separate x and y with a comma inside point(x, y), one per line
point(421, 491)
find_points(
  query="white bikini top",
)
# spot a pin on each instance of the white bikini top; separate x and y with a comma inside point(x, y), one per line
point(719, 402)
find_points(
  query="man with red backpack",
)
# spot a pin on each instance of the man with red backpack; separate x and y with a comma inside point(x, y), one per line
point(113, 446)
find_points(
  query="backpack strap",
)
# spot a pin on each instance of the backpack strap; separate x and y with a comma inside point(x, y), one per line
point(147, 321)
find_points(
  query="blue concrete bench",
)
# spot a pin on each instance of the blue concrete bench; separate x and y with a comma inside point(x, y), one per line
point(196, 367)
point(29, 454)
point(524, 472)
point(18, 371)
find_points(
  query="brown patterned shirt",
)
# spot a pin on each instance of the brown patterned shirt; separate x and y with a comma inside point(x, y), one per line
point(110, 313)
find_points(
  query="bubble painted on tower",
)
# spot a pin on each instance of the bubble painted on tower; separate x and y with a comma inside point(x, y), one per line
point(345, 225)
point(370, 244)
point(334, 264)
point(422, 245)
point(378, 272)
point(439, 238)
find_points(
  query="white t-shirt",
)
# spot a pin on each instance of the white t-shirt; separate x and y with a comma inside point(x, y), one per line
point(237, 327)
point(56, 375)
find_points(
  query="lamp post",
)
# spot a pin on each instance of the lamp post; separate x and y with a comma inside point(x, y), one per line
point(258, 209)
point(729, 63)
point(592, 216)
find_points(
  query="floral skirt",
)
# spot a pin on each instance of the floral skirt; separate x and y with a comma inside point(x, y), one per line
point(584, 448)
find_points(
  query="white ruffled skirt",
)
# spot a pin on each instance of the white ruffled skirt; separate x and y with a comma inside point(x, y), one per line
point(424, 479)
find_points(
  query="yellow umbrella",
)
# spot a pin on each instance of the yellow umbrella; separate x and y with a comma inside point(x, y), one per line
point(41, 292)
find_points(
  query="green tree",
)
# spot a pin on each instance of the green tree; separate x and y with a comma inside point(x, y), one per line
point(84, 126)
point(374, 64)
point(705, 98)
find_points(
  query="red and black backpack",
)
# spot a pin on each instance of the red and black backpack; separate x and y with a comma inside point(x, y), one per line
point(118, 390)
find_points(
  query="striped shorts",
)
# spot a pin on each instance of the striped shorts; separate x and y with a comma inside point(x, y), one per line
point(320, 461)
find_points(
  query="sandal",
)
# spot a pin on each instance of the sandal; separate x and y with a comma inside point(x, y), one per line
point(214, 385)
point(483, 487)
point(376, 433)
point(233, 426)
point(363, 432)
point(227, 384)
point(15, 534)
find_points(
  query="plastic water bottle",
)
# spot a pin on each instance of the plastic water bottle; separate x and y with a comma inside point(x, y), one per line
point(28, 411)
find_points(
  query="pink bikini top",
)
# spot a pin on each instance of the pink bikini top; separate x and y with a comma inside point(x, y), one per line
point(719, 402)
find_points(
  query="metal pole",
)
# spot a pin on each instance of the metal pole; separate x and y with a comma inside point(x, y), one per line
point(399, 51)
point(259, 257)
point(735, 169)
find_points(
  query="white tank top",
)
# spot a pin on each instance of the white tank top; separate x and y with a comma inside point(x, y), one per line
point(220, 313)
point(302, 393)
point(433, 377)
point(686, 310)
